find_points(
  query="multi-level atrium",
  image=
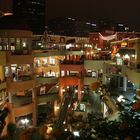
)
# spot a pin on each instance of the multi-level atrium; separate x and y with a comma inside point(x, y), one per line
point(62, 85)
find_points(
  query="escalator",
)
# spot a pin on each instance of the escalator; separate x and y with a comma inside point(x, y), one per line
point(66, 102)
point(53, 89)
point(102, 90)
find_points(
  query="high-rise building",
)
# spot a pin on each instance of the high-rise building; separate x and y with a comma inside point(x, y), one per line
point(33, 12)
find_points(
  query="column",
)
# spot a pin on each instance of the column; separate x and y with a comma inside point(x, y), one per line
point(79, 90)
point(60, 91)
point(70, 57)
point(34, 117)
point(68, 73)
point(86, 54)
point(124, 83)
point(77, 58)
point(118, 82)
point(10, 108)
point(65, 73)
point(67, 57)
point(55, 108)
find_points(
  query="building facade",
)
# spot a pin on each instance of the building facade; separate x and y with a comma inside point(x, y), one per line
point(38, 70)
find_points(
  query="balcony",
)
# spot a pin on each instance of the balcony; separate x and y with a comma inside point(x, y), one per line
point(72, 62)
point(20, 85)
point(71, 67)
point(48, 80)
point(47, 98)
point(21, 100)
point(70, 80)
point(90, 80)
point(94, 64)
point(23, 110)
point(47, 53)
point(20, 57)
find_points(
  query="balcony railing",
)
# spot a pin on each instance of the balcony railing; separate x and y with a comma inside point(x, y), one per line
point(21, 52)
point(72, 62)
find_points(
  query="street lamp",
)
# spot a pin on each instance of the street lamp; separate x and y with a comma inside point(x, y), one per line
point(25, 122)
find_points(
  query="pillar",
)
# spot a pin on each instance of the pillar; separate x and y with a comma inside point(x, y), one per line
point(79, 90)
point(65, 73)
point(77, 58)
point(118, 82)
point(60, 73)
point(124, 83)
point(34, 117)
point(11, 115)
point(67, 57)
point(70, 57)
point(68, 73)
point(87, 53)
point(60, 91)
point(55, 108)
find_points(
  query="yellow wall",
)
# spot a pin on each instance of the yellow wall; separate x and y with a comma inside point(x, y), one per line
point(1, 73)
point(2, 57)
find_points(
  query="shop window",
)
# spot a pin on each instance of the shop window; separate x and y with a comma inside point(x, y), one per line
point(12, 41)
point(5, 43)
point(62, 73)
point(52, 61)
point(18, 43)
point(24, 43)
point(7, 72)
point(44, 62)
point(51, 74)
point(94, 74)
point(37, 63)
point(42, 90)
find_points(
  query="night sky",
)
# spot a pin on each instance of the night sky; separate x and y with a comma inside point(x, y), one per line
point(126, 11)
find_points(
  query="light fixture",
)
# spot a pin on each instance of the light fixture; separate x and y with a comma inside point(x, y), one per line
point(117, 55)
point(76, 133)
point(121, 98)
point(126, 56)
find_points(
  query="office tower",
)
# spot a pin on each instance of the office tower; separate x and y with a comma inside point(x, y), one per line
point(33, 12)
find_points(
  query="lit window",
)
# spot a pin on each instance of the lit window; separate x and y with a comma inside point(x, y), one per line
point(52, 61)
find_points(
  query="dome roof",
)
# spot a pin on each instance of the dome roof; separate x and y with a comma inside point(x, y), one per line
point(13, 22)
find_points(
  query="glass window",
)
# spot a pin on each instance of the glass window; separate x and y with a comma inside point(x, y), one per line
point(12, 42)
point(24, 43)
point(18, 43)
point(5, 43)
point(44, 62)
point(52, 61)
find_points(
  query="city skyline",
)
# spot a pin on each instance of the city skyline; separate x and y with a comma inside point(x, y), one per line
point(121, 11)
point(125, 11)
